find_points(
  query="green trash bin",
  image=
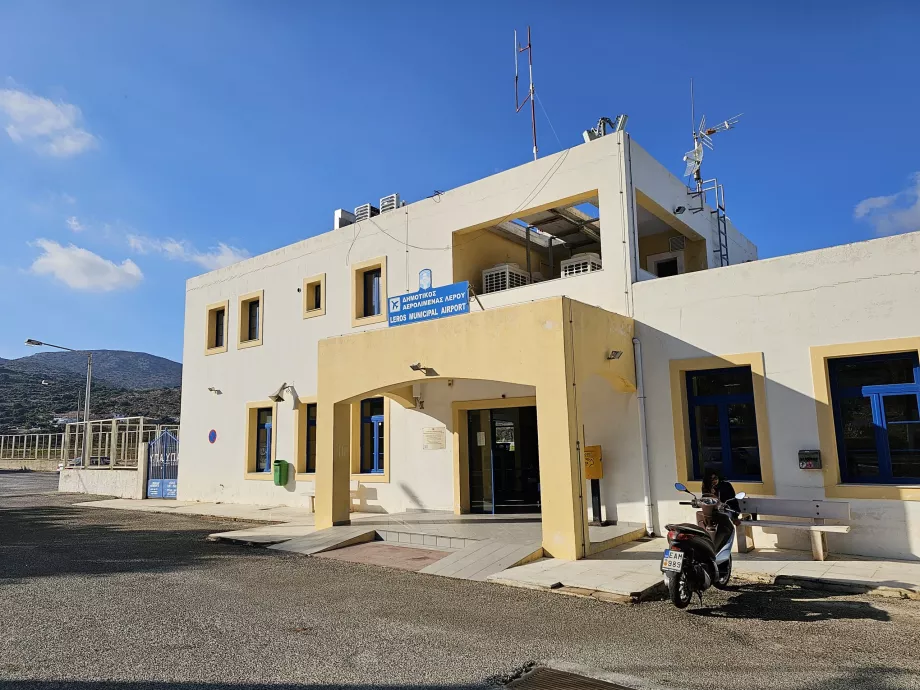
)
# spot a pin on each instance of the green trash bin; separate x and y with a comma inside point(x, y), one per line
point(280, 469)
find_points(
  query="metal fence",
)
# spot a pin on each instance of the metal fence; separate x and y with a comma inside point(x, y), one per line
point(31, 446)
point(112, 443)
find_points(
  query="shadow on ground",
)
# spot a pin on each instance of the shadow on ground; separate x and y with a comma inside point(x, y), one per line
point(788, 603)
point(61, 539)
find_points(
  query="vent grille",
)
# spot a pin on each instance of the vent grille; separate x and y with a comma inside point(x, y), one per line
point(365, 211)
point(676, 244)
point(389, 203)
point(587, 262)
point(503, 277)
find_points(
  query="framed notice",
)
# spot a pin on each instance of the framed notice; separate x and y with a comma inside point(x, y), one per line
point(434, 438)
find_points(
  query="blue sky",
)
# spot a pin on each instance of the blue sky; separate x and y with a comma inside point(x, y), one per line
point(143, 143)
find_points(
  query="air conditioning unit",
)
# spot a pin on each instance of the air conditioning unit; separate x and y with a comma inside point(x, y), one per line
point(503, 277)
point(389, 203)
point(365, 211)
point(676, 244)
point(586, 262)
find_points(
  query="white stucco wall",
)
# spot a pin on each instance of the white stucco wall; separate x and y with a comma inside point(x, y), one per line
point(781, 307)
point(121, 483)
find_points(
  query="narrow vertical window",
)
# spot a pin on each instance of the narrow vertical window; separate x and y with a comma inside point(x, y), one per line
point(219, 316)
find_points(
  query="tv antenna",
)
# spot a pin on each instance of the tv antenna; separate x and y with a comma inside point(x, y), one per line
point(702, 140)
point(518, 48)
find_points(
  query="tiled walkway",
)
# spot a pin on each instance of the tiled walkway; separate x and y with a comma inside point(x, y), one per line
point(634, 570)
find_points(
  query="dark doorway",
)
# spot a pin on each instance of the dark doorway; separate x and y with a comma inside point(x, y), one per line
point(504, 461)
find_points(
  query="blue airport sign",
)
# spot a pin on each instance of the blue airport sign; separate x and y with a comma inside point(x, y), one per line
point(424, 305)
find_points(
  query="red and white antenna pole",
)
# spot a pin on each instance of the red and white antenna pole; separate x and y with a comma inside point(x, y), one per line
point(531, 95)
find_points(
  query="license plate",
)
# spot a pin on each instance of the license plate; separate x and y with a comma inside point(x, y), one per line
point(673, 560)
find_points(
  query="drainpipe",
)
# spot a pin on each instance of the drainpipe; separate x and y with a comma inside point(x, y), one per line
point(643, 439)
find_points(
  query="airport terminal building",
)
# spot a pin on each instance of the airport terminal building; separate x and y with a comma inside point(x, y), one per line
point(469, 352)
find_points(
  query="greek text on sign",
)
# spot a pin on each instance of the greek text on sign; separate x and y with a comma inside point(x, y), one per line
point(424, 305)
point(434, 438)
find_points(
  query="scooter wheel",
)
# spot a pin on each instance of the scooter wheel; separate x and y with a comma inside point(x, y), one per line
point(725, 574)
point(680, 590)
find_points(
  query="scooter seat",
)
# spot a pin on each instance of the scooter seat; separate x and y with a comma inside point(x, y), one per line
point(687, 527)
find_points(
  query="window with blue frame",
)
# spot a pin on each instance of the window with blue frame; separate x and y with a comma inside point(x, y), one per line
point(264, 439)
point(311, 438)
point(372, 292)
point(723, 423)
point(875, 402)
point(372, 441)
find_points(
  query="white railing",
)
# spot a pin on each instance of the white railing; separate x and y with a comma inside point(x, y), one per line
point(31, 446)
point(112, 443)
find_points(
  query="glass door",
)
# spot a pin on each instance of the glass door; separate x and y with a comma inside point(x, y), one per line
point(479, 443)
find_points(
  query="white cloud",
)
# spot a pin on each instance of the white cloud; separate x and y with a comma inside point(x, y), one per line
point(182, 250)
point(50, 128)
point(75, 224)
point(893, 214)
point(81, 269)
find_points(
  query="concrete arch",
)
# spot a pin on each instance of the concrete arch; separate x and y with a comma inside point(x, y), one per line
point(549, 345)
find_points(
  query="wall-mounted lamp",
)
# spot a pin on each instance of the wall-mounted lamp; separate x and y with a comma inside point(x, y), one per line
point(278, 395)
point(417, 367)
point(679, 209)
point(614, 354)
point(215, 391)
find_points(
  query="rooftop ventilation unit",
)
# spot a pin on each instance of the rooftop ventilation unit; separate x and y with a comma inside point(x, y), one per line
point(676, 244)
point(341, 218)
point(586, 262)
point(504, 277)
point(389, 203)
point(365, 211)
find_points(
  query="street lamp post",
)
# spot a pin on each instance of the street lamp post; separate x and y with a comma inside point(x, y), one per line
point(89, 381)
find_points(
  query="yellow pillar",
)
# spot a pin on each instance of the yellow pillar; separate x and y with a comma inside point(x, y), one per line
point(333, 464)
point(562, 507)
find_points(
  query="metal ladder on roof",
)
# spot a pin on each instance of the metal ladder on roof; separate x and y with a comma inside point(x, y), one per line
point(712, 185)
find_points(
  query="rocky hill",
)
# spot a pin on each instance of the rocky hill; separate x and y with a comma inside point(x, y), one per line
point(119, 368)
point(38, 393)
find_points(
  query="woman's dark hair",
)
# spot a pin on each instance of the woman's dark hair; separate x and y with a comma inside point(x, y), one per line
point(708, 476)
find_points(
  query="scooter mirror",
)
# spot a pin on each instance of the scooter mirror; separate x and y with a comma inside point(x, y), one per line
point(740, 495)
point(680, 487)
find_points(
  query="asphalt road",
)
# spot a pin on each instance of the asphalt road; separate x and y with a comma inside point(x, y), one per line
point(93, 599)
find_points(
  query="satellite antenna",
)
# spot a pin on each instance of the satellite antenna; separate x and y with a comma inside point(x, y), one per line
point(518, 48)
point(702, 139)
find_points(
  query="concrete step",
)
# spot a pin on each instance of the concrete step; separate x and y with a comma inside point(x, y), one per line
point(421, 539)
point(483, 558)
point(327, 539)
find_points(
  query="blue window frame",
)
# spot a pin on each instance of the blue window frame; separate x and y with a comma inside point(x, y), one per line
point(311, 438)
point(372, 440)
point(723, 423)
point(372, 292)
point(264, 440)
point(876, 405)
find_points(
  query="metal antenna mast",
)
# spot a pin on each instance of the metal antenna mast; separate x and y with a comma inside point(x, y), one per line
point(530, 96)
point(702, 137)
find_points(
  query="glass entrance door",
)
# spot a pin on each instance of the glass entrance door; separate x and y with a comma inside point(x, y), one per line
point(504, 463)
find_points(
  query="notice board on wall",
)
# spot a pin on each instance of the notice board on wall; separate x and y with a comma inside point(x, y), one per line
point(434, 438)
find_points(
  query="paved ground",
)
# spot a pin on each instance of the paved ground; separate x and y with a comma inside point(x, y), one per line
point(104, 599)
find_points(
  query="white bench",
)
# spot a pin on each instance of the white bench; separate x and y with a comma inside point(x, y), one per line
point(816, 512)
point(311, 492)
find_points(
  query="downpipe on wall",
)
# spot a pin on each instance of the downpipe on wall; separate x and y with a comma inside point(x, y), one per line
point(643, 440)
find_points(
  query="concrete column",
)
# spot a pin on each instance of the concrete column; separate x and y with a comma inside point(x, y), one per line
point(563, 510)
point(113, 444)
point(333, 464)
point(141, 489)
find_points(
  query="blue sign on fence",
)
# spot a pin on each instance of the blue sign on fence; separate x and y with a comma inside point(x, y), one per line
point(424, 305)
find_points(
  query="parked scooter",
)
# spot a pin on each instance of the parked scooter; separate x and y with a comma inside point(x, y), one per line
point(699, 556)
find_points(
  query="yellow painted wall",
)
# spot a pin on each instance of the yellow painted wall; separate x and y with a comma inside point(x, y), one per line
point(547, 344)
point(694, 251)
point(476, 250)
